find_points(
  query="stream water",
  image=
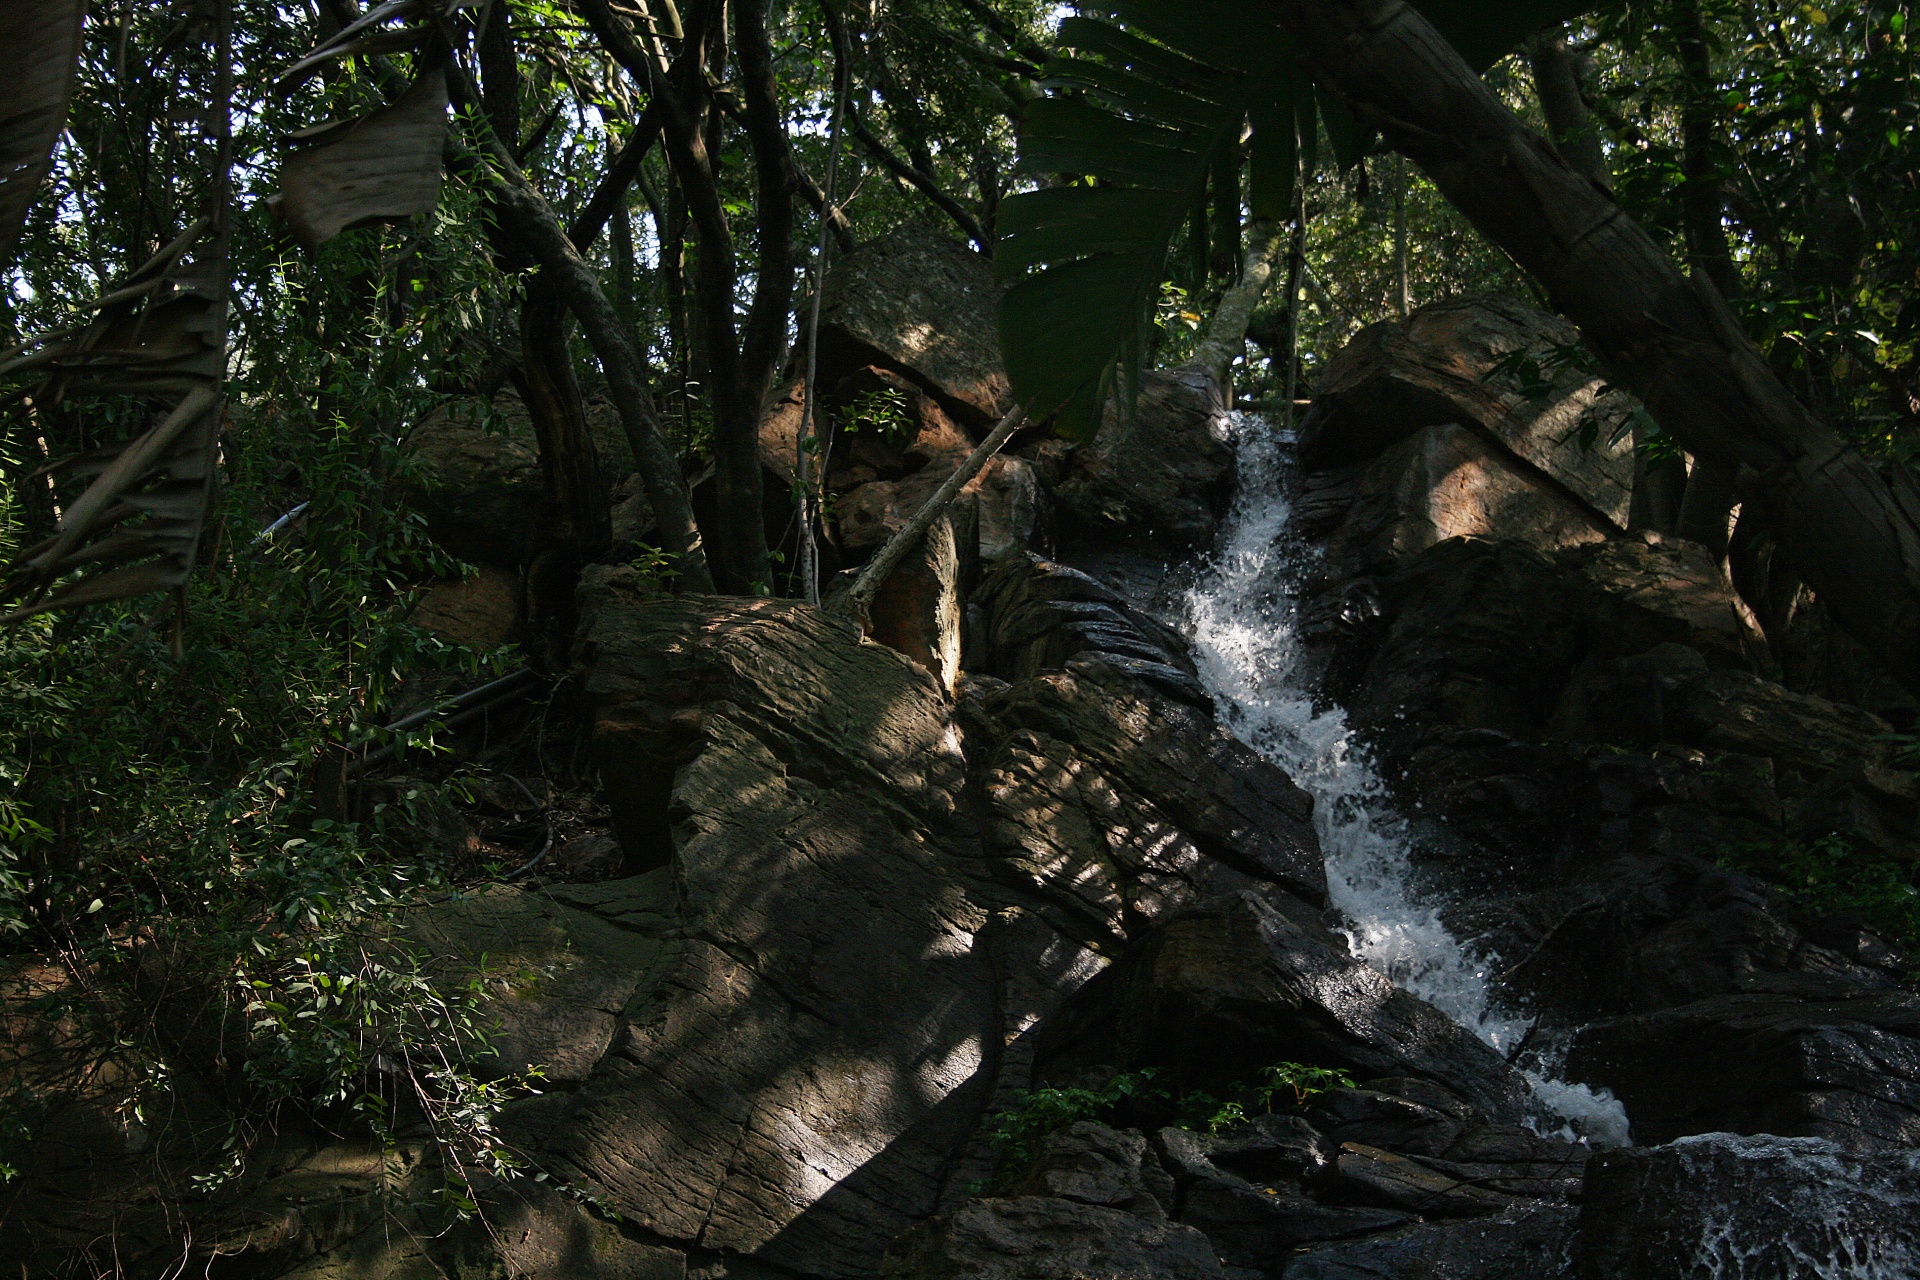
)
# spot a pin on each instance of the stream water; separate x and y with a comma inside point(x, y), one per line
point(1242, 618)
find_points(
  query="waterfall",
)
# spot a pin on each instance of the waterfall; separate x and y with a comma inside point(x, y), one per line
point(1242, 618)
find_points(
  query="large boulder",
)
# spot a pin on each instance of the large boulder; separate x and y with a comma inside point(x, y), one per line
point(1048, 1238)
point(770, 1093)
point(1160, 472)
point(476, 475)
point(1219, 992)
point(1522, 1242)
point(1752, 1208)
point(1449, 481)
point(1844, 1070)
point(1121, 804)
point(1500, 367)
point(1646, 590)
point(1029, 615)
point(922, 305)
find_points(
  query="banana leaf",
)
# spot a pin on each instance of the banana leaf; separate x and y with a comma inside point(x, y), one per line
point(39, 52)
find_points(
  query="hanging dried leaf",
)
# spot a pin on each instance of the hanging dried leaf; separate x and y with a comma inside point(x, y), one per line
point(165, 474)
point(39, 51)
point(161, 335)
point(383, 167)
point(356, 38)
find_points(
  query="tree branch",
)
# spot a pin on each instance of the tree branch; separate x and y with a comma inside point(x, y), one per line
point(967, 223)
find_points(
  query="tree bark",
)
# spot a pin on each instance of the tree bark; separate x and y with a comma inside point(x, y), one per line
point(740, 360)
point(525, 215)
point(1557, 83)
point(1226, 333)
point(1851, 530)
point(1701, 205)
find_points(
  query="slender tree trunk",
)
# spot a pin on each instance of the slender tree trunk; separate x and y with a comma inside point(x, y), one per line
point(737, 359)
point(1556, 81)
point(1700, 199)
point(573, 483)
point(526, 216)
point(1296, 267)
point(1402, 258)
point(1708, 503)
point(1225, 336)
point(1852, 531)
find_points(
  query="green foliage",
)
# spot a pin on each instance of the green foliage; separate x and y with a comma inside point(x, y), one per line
point(1294, 1084)
point(1145, 122)
point(1833, 876)
point(1016, 1132)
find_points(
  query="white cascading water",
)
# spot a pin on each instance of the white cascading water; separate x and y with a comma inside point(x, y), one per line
point(1241, 617)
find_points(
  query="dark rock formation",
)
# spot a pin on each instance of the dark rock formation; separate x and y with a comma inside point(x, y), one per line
point(1751, 1207)
point(1160, 474)
point(922, 305)
point(1042, 1238)
point(1218, 992)
point(1505, 369)
point(1526, 1242)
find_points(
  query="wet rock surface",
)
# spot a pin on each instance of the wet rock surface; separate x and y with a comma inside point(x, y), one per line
point(1717, 1204)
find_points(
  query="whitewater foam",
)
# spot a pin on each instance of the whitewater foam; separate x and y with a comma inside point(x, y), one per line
point(1242, 618)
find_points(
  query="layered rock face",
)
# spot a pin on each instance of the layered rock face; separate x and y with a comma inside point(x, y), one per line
point(1588, 731)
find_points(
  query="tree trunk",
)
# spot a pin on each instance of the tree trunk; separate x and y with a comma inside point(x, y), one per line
point(1225, 336)
point(736, 377)
point(573, 483)
point(1557, 82)
point(1851, 530)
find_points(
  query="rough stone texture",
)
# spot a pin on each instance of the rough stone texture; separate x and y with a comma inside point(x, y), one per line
point(772, 1093)
point(479, 482)
point(1847, 1071)
point(558, 975)
point(1028, 615)
point(1094, 1164)
point(1448, 481)
point(481, 612)
point(1247, 1189)
point(1163, 473)
point(1527, 1242)
point(916, 612)
point(1012, 508)
point(1157, 781)
point(1753, 1208)
point(1735, 712)
point(540, 1235)
point(1371, 1175)
point(1646, 590)
point(1450, 362)
point(1043, 1238)
point(919, 303)
point(1218, 992)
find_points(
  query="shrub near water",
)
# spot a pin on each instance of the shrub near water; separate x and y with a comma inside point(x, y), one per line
point(1015, 1133)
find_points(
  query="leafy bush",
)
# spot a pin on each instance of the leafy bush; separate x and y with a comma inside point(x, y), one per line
point(1831, 876)
point(1015, 1133)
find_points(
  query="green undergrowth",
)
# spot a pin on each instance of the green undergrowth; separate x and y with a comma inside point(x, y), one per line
point(1016, 1132)
point(1832, 876)
point(196, 900)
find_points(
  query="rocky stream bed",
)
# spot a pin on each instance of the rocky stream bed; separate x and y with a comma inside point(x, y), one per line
point(1378, 746)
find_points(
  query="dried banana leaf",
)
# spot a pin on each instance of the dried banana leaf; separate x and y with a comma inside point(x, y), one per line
point(350, 40)
point(383, 167)
point(160, 334)
point(166, 475)
point(39, 52)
